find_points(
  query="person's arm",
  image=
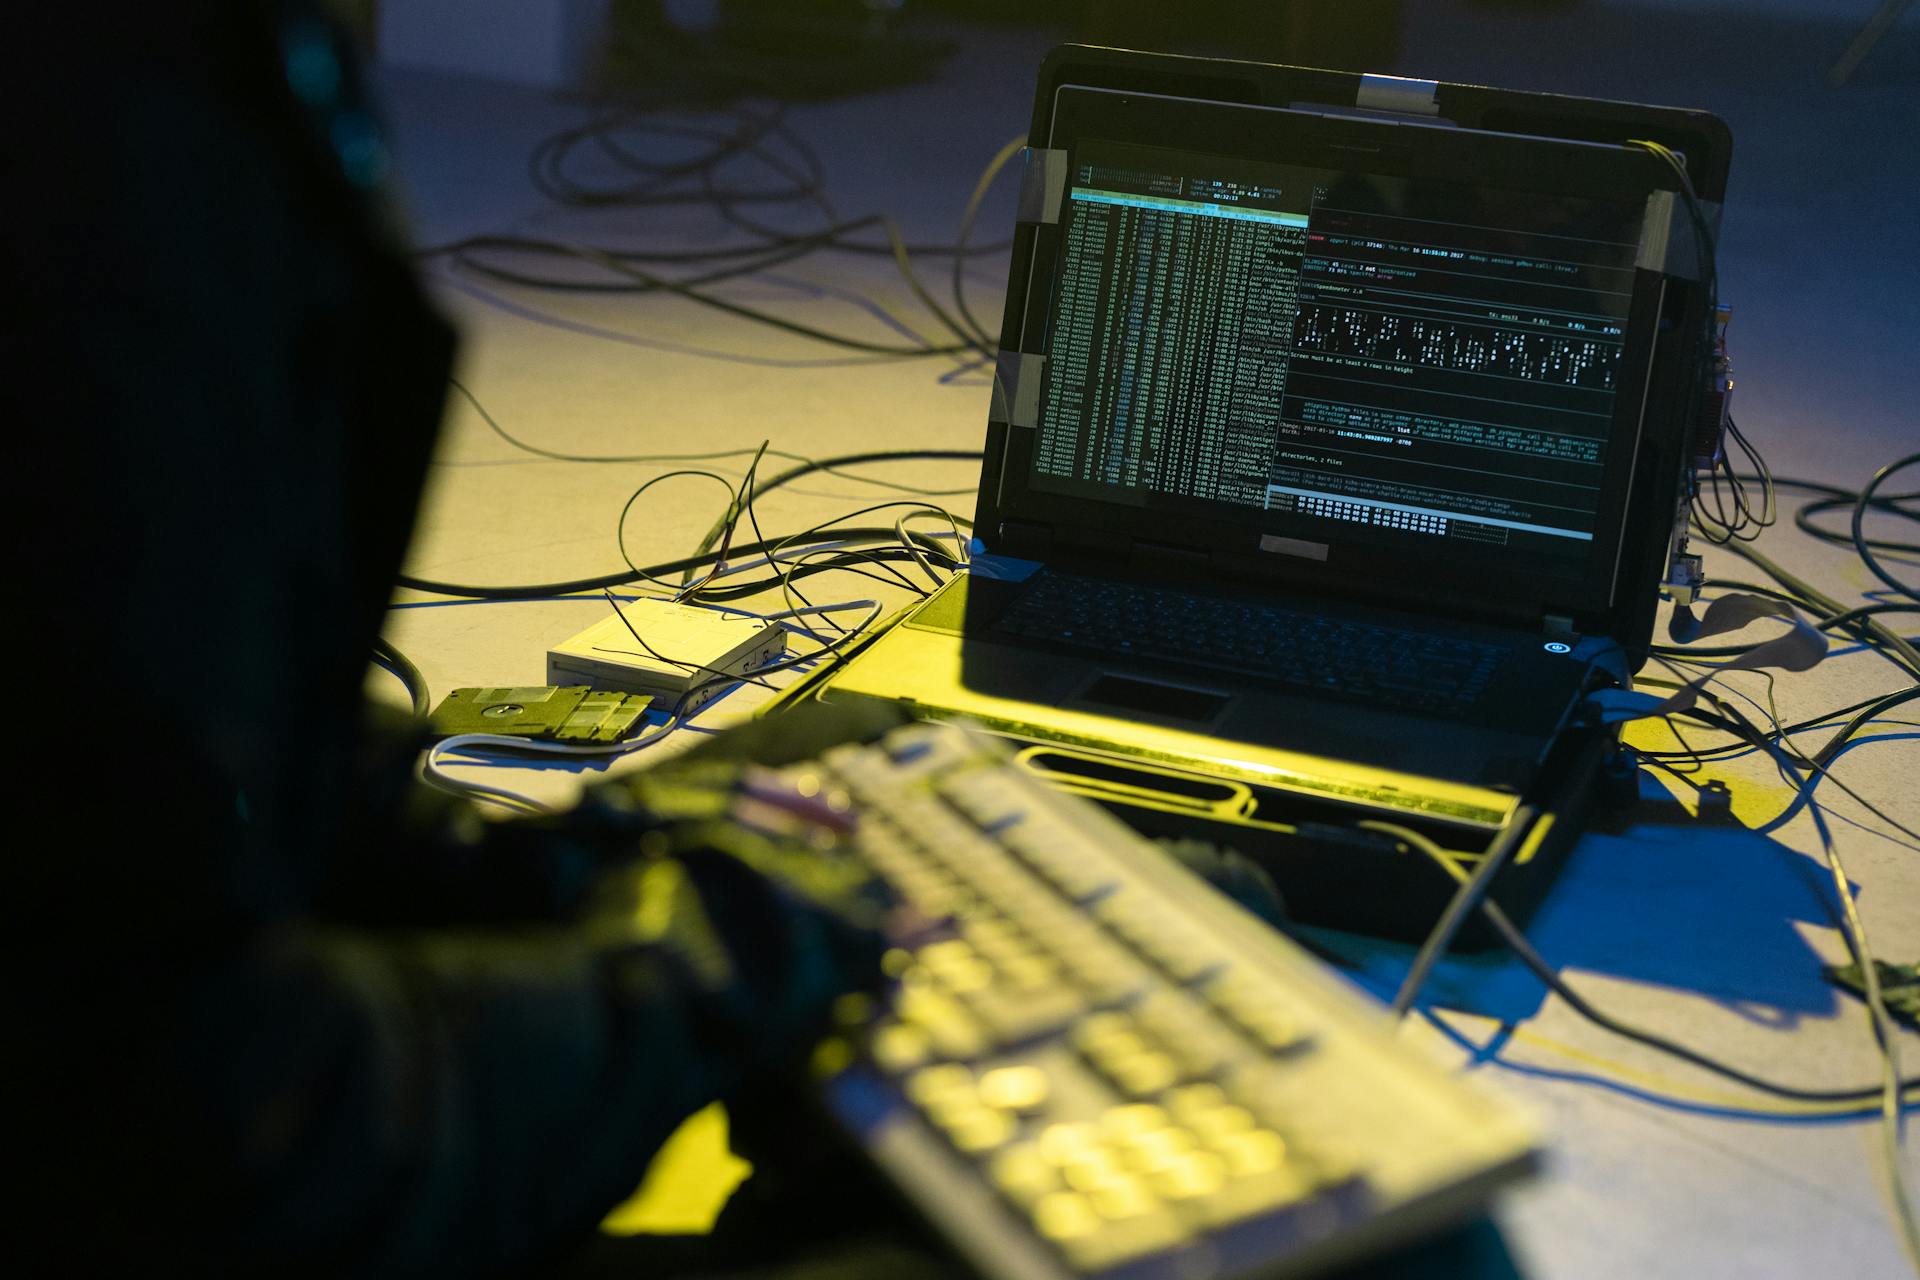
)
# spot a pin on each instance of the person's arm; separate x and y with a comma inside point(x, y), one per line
point(292, 1097)
point(223, 393)
point(414, 856)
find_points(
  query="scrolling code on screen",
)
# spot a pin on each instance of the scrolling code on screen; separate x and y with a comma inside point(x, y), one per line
point(1397, 358)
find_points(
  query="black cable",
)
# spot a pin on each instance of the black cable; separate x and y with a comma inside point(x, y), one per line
point(540, 246)
point(1869, 709)
point(896, 243)
point(755, 130)
point(462, 254)
point(787, 588)
point(960, 249)
point(1860, 545)
point(547, 168)
point(1727, 718)
point(830, 466)
point(840, 561)
point(548, 173)
point(692, 294)
point(825, 525)
point(620, 526)
point(1472, 892)
point(1732, 722)
point(967, 217)
point(806, 468)
point(1703, 233)
point(657, 656)
point(402, 669)
point(1886, 643)
point(1824, 624)
point(1517, 942)
point(549, 590)
point(807, 186)
point(1834, 497)
point(1887, 504)
point(1744, 524)
point(1866, 715)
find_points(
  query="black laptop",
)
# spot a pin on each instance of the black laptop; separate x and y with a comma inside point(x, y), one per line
point(1336, 436)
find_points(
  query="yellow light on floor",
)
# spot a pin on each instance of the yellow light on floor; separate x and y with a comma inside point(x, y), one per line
point(688, 1183)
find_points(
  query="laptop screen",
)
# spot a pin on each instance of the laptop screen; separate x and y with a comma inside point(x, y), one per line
point(1343, 355)
point(1335, 355)
point(1381, 356)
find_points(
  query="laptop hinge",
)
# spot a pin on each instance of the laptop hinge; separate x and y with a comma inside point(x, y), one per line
point(1560, 627)
point(1017, 376)
point(1397, 94)
point(1025, 538)
point(1669, 241)
point(1043, 184)
point(1162, 557)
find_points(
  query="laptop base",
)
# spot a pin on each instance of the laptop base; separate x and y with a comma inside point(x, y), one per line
point(1331, 872)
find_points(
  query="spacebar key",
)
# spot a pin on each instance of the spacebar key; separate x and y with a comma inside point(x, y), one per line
point(1015, 1017)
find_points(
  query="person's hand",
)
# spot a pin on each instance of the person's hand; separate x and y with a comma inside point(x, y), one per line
point(745, 886)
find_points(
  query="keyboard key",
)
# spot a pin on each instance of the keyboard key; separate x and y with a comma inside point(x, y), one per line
point(1193, 1036)
point(1124, 1238)
point(1193, 1099)
point(899, 1048)
point(1253, 1006)
point(1218, 1125)
point(1094, 1168)
point(1051, 849)
point(1353, 659)
point(1183, 952)
point(1020, 1089)
point(1239, 1199)
point(1061, 1143)
point(1122, 1123)
point(989, 797)
point(1249, 1152)
point(1142, 1075)
point(953, 1032)
point(1065, 1215)
point(1023, 1175)
point(1156, 1149)
point(978, 1130)
point(1012, 1017)
point(1122, 1076)
point(1122, 1196)
point(933, 1083)
point(1193, 1175)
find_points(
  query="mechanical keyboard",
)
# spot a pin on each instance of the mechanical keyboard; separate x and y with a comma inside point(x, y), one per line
point(1105, 1067)
point(1327, 655)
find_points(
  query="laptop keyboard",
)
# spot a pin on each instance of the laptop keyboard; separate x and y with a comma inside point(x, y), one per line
point(1358, 660)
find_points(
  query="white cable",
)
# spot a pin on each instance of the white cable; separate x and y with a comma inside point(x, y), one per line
point(841, 607)
point(919, 557)
point(775, 558)
point(738, 566)
point(1886, 1036)
point(434, 772)
point(826, 645)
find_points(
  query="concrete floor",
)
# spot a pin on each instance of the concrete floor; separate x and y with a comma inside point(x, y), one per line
point(1716, 933)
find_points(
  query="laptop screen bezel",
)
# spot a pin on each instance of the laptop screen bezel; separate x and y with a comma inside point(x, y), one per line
point(1329, 139)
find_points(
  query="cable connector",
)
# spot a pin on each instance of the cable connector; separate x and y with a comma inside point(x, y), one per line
point(1716, 400)
point(1685, 575)
point(1684, 579)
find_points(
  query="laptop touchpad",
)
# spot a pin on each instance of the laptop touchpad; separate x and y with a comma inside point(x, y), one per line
point(1152, 699)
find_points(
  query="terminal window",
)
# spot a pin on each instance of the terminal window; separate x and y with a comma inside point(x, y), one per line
point(1394, 358)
